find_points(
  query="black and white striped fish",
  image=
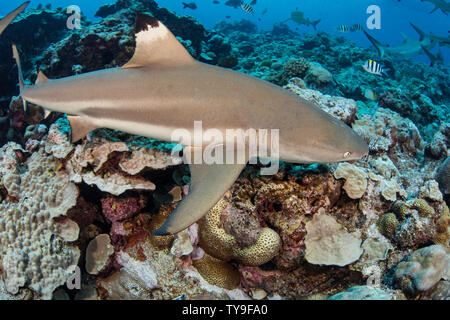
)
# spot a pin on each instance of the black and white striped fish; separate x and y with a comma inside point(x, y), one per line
point(343, 28)
point(373, 67)
point(247, 8)
point(356, 27)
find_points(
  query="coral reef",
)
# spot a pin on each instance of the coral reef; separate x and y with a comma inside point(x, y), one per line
point(422, 269)
point(377, 228)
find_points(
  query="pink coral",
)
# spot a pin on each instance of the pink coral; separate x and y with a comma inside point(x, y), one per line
point(121, 208)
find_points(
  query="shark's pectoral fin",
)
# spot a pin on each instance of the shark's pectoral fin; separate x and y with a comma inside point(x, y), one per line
point(80, 127)
point(377, 44)
point(156, 45)
point(208, 184)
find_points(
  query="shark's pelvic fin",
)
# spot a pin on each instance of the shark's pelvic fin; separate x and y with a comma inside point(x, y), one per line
point(156, 45)
point(80, 127)
point(208, 184)
point(377, 44)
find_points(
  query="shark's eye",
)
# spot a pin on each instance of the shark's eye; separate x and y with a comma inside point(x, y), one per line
point(347, 154)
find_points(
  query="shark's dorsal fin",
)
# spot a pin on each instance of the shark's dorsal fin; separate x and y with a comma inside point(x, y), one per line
point(209, 182)
point(156, 45)
point(405, 37)
point(41, 78)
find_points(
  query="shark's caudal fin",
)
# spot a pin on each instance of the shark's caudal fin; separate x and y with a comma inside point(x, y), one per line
point(19, 70)
point(156, 45)
point(420, 32)
point(377, 44)
point(208, 184)
point(11, 16)
point(315, 23)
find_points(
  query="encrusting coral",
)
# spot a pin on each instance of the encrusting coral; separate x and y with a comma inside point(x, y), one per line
point(387, 224)
point(35, 248)
point(217, 272)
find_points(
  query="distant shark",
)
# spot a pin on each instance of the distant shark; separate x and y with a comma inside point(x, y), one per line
point(299, 18)
point(439, 5)
point(409, 47)
point(4, 22)
point(443, 41)
point(162, 88)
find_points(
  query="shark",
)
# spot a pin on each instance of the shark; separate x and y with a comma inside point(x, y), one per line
point(299, 18)
point(163, 88)
point(5, 21)
point(439, 5)
point(443, 41)
point(409, 47)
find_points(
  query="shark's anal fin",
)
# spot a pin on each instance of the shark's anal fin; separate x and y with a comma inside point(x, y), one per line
point(156, 45)
point(208, 184)
point(80, 127)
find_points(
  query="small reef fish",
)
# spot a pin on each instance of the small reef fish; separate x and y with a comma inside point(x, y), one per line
point(234, 3)
point(139, 98)
point(409, 47)
point(253, 2)
point(370, 94)
point(190, 5)
point(247, 8)
point(4, 22)
point(264, 11)
point(299, 18)
point(343, 28)
point(439, 5)
point(356, 27)
point(373, 67)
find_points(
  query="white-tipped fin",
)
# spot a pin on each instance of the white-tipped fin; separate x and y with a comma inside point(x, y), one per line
point(155, 44)
point(80, 127)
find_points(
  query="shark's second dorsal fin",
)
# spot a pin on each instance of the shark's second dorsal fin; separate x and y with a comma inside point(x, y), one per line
point(156, 45)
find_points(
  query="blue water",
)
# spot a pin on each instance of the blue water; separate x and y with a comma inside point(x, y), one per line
point(395, 16)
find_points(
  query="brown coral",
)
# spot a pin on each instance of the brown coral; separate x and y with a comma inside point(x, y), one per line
point(424, 209)
point(217, 272)
point(387, 224)
point(297, 68)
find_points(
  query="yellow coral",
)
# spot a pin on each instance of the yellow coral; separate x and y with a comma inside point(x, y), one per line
point(217, 272)
point(442, 236)
point(400, 209)
point(425, 210)
point(387, 224)
point(160, 242)
point(216, 242)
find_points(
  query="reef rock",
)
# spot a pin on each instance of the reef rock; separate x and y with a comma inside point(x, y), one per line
point(328, 243)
